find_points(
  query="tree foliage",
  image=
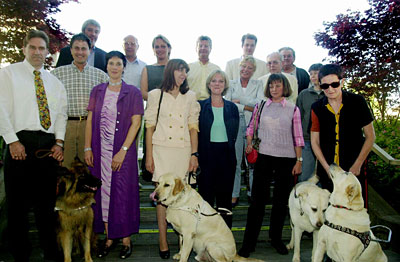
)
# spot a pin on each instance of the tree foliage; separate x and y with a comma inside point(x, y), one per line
point(367, 46)
point(17, 17)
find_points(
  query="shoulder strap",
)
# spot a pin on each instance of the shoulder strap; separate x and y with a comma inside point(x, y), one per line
point(257, 117)
point(159, 105)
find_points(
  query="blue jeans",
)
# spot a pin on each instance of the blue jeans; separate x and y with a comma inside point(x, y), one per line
point(240, 146)
point(308, 162)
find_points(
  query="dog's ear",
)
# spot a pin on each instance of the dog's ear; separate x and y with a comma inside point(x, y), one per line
point(179, 186)
point(327, 192)
point(352, 192)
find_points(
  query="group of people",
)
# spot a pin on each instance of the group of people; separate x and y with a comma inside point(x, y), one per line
point(91, 106)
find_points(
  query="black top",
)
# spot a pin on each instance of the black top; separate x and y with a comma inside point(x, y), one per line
point(354, 115)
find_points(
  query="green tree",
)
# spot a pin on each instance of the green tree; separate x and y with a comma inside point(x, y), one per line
point(17, 17)
point(367, 45)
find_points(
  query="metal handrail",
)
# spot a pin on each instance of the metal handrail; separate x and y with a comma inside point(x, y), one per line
point(385, 156)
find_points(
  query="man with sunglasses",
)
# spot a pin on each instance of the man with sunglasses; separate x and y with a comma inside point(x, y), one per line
point(341, 130)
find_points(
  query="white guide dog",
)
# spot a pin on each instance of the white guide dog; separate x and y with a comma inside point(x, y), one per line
point(199, 226)
point(346, 235)
point(307, 204)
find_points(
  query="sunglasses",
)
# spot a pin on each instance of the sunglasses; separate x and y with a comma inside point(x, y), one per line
point(333, 84)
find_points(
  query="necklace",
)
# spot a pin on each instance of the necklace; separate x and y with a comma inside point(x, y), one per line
point(114, 84)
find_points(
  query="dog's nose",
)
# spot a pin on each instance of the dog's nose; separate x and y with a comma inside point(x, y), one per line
point(319, 224)
point(156, 196)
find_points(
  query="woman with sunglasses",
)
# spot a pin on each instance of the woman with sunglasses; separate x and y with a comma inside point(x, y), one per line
point(341, 130)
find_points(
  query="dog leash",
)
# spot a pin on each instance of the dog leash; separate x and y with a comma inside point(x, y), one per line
point(42, 153)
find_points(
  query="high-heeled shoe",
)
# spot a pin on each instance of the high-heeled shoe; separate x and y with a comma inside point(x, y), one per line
point(164, 254)
point(126, 251)
point(104, 249)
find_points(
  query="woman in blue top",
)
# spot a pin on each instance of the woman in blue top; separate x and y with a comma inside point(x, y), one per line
point(219, 125)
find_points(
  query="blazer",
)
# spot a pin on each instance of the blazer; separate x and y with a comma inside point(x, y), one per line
point(303, 79)
point(254, 94)
point(206, 119)
point(66, 58)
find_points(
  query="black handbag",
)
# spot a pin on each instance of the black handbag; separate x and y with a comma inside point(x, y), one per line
point(146, 175)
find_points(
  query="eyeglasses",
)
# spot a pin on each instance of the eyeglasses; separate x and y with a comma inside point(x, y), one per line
point(333, 84)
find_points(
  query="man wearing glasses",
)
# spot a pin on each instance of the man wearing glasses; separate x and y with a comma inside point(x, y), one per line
point(341, 130)
point(134, 66)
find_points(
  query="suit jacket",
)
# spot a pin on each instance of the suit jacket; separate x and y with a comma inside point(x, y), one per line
point(303, 78)
point(254, 94)
point(66, 58)
point(206, 119)
point(232, 69)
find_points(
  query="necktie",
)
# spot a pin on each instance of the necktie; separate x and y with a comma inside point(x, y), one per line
point(44, 113)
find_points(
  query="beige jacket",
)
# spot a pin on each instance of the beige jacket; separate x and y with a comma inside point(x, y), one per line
point(177, 116)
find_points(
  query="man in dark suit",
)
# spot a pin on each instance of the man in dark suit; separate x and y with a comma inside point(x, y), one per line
point(97, 57)
point(303, 79)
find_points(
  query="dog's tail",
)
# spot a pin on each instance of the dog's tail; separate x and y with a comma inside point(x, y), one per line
point(314, 178)
point(238, 258)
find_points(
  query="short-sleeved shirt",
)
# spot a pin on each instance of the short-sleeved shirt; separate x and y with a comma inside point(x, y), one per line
point(341, 132)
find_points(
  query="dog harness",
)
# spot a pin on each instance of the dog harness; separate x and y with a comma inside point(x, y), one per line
point(365, 237)
point(198, 213)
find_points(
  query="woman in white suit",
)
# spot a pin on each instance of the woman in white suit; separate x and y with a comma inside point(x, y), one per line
point(245, 93)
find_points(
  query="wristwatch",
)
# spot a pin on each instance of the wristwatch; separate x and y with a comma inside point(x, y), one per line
point(125, 148)
point(300, 159)
point(196, 154)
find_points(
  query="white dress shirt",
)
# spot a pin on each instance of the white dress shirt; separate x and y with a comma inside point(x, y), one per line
point(18, 104)
point(133, 72)
point(197, 78)
point(232, 69)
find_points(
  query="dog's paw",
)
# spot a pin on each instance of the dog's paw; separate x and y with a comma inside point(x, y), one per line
point(296, 259)
point(177, 256)
point(289, 246)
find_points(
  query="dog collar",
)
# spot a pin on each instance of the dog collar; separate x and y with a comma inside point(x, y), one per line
point(343, 207)
point(76, 209)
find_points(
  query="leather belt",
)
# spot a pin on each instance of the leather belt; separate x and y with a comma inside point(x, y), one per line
point(79, 118)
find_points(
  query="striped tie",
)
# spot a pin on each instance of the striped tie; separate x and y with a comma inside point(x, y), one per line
point(44, 113)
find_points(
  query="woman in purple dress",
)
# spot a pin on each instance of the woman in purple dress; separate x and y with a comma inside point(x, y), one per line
point(115, 112)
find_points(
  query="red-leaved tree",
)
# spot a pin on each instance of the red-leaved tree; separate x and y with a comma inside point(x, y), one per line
point(367, 46)
point(17, 17)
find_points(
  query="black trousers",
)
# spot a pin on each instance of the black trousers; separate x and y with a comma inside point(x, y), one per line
point(31, 183)
point(266, 170)
point(217, 177)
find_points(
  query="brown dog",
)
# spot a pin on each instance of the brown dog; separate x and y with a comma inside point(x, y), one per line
point(76, 189)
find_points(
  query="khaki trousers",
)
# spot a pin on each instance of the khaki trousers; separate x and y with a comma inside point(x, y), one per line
point(74, 142)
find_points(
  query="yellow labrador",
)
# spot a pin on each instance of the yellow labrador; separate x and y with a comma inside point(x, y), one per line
point(199, 226)
point(346, 235)
point(307, 204)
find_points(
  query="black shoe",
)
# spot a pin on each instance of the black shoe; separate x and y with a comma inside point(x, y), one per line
point(245, 252)
point(126, 251)
point(104, 249)
point(164, 254)
point(280, 247)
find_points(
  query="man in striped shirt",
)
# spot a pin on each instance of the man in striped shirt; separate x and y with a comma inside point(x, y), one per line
point(78, 78)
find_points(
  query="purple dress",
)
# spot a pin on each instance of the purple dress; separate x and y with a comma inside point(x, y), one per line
point(123, 212)
point(107, 130)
